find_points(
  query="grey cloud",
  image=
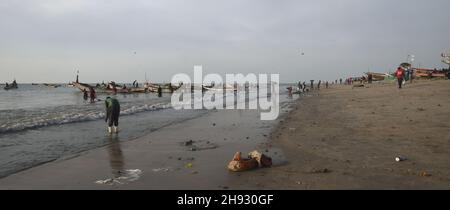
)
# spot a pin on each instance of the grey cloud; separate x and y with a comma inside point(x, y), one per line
point(46, 40)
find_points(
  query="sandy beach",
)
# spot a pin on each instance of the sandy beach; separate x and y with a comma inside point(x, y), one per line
point(346, 138)
point(337, 138)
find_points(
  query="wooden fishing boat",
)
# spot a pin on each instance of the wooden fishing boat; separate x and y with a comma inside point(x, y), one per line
point(109, 89)
point(428, 72)
point(10, 87)
point(165, 88)
point(81, 86)
point(52, 85)
point(378, 76)
point(224, 88)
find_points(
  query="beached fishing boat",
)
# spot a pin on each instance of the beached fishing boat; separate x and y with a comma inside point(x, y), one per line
point(81, 86)
point(165, 88)
point(100, 89)
point(427, 73)
point(378, 76)
point(225, 88)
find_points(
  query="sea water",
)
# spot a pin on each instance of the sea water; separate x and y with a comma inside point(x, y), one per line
point(39, 124)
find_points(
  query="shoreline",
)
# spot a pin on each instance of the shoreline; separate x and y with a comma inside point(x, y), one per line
point(337, 138)
point(161, 156)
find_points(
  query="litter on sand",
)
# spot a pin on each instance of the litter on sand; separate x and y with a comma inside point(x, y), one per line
point(199, 145)
point(255, 160)
point(263, 160)
point(162, 169)
point(400, 159)
point(130, 175)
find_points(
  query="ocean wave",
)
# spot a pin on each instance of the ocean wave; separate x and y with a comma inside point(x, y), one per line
point(45, 118)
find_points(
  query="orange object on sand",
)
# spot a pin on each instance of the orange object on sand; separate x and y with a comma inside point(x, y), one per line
point(239, 164)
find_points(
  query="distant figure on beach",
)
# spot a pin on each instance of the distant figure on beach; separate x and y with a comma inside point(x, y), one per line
point(159, 91)
point(318, 84)
point(85, 95)
point(407, 75)
point(304, 86)
point(135, 84)
point(92, 94)
point(400, 74)
point(326, 84)
point(289, 90)
point(112, 114)
point(411, 76)
point(299, 85)
point(340, 81)
point(312, 84)
point(114, 89)
point(370, 78)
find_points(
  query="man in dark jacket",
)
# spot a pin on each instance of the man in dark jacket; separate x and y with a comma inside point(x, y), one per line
point(112, 114)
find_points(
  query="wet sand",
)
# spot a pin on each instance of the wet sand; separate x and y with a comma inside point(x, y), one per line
point(162, 156)
point(348, 138)
point(339, 138)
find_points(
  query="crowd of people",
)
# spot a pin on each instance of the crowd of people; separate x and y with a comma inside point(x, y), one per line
point(402, 75)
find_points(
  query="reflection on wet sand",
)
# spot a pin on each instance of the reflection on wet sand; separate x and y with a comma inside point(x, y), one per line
point(116, 159)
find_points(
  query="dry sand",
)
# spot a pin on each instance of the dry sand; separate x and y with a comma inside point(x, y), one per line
point(339, 138)
point(348, 139)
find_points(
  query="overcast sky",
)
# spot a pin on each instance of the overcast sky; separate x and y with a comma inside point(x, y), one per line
point(49, 40)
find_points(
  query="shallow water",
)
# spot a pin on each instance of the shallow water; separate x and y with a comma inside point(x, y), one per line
point(40, 124)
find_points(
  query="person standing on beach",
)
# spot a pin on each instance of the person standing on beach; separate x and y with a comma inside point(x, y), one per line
point(159, 91)
point(304, 86)
point(340, 81)
point(326, 84)
point(318, 85)
point(112, 114)
point(411, 76)
point(400, 74)
point(85, 95)
point(92, 94)
point(312, 84)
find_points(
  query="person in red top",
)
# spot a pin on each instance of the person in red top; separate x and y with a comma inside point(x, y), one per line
point(400, 74)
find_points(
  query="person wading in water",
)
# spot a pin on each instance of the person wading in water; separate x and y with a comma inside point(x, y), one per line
point(112, 114)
